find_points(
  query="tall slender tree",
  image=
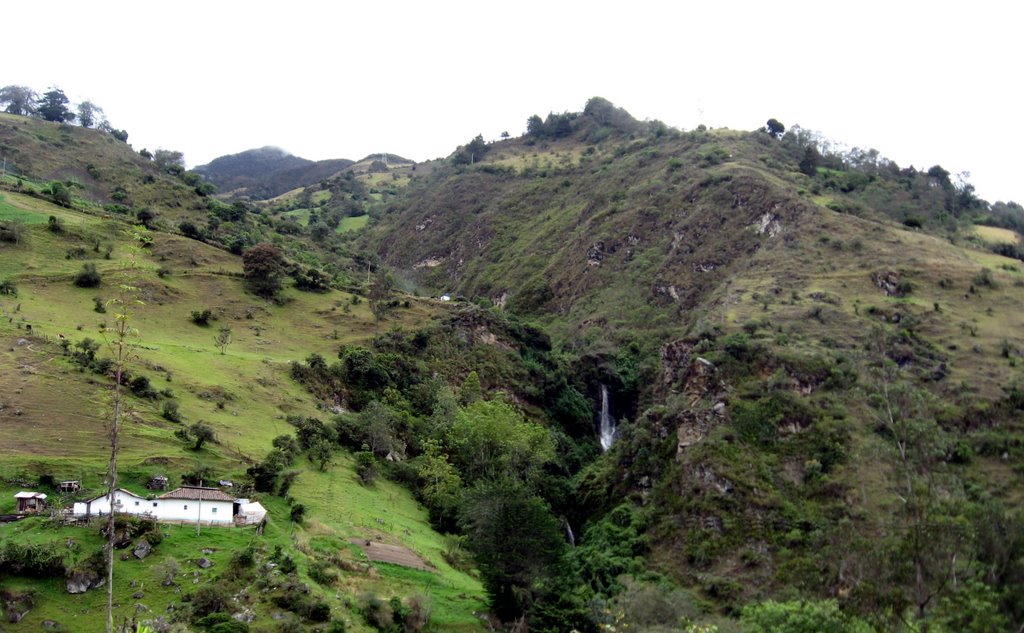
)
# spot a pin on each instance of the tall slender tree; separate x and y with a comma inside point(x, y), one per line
point(118, 337)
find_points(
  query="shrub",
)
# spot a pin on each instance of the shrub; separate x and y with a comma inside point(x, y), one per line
point(170, 411)
point(88, 277)
point(140, 387)
point(298, 513)
point(99, 305)
point(209, 599)
point(202, 317)
point(8, 287)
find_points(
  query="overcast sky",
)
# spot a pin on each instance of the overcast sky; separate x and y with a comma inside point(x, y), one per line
point(923, 82)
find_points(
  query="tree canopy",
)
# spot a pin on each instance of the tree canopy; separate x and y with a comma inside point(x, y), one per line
point(53, 106)
point(18, 100)
point(264, 266)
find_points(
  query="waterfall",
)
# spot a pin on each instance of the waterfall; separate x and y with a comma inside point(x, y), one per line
point(568, 533)
point(607, 422)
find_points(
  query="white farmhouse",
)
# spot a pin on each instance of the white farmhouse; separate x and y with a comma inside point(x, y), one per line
point(124, 501)
point(188, 503)
point(192, 503)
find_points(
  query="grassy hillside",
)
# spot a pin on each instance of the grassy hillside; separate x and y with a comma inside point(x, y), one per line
point(754, 307)
point(98, 169)
point(813, 360)
point(53, 413)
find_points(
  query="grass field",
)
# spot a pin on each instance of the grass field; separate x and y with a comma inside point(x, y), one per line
point(353, 223)
point(996, 235)
point(53, 414)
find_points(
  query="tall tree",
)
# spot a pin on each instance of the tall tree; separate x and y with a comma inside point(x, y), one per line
point(517, 544)
point(18, 100)
point(119, 333)
point(264, 268)
point(775, 128)
point(88, 113)
point(53, 106)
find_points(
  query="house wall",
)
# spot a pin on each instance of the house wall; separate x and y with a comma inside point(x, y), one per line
point(123, 502)
point(161, 509)
point(192, 510)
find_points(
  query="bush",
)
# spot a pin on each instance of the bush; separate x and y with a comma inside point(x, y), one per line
point(202, 317)
point(9, 287)
point(170, 411)
point(88, 277)
point(140, 387)
point(800, 617)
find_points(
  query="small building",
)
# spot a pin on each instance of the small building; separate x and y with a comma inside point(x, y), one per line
point(188, 503)
point(192, 503)
point(124, 501)
point(445, 297)
point(69, 486)
point(29, 501)
point(157, 482)
point(249, 512)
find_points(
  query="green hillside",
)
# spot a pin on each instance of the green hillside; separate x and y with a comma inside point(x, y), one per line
point(812, 361)
point(53, 412)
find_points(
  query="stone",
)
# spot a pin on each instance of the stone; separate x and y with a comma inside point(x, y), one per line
point(51, 625)
point(138, 595)
point(719, 408)
point(81, 581)
point(142, 549)
point(204, 562)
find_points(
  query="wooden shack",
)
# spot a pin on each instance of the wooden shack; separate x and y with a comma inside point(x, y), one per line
point(69, 486)
point(29, 501)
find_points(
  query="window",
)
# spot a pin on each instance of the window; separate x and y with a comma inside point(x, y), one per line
point(215, 510)
point(186, 506)
point(154, 504)
point(136, 504)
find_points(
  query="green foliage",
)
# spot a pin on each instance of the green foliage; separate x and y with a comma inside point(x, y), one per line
point(264, 267)
point(170, 411)
point(202, 317)
point(490, 438)
point(38, 560)
point(516, 542)
point(471, 391)
point(800, 617)
point(53, 106)
point(775, 128)
point(611, 548)
point(88, 277)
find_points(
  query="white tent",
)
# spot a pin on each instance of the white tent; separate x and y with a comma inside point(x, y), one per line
point(251, 513)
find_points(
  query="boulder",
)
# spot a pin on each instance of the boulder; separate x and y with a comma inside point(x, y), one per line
point(16, 604)
point(81, 581)
point(204, 562)
point(142, 549)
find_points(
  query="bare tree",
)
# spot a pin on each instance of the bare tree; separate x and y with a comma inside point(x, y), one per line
point(117, 341)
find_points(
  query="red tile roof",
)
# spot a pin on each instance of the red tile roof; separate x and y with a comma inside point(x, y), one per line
point(195, 492)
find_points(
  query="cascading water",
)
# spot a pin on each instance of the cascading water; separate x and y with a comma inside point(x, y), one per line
point(569, 536)
point(606, 421)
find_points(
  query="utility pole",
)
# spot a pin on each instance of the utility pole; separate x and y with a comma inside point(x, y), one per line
point(199, 514)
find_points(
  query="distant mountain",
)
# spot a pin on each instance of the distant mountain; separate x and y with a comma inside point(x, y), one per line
point(267, 172)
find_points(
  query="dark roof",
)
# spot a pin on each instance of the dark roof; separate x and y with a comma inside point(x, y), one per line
point(195, 492)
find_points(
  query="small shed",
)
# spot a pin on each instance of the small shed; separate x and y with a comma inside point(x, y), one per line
point(157, 482)
point(249, 512)
point(30, 501)
point(69, 486)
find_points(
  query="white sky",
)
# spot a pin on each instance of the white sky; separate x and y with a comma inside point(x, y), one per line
point(923, 82)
